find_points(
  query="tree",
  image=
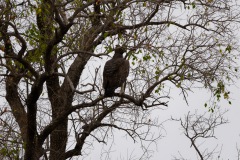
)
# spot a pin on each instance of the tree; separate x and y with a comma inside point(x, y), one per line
point(49, 51)
point(202, 126)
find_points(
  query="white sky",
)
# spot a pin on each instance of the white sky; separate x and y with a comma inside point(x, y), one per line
point(227, 134)
point(174, 141)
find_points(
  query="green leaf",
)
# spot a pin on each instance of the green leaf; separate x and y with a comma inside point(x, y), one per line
point(157, 72)
point(228, 48)
point(193, 5)
point(145, 29)
point(38, 10)
point(105, 34)
point(226, 95)
point(178, 85)
point(211, 110)
point(146, 57)
point(135, 36)
point(205, 105)
point(144, 4)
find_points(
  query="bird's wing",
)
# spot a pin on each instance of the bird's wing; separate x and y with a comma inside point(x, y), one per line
point(111, 68)
point(124, 71)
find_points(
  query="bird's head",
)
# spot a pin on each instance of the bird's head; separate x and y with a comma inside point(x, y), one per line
point(120, 49)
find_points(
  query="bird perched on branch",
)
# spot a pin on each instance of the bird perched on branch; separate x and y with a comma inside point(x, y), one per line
point(115, 72)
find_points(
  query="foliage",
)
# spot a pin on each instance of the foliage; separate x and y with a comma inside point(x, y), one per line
point(51, 53)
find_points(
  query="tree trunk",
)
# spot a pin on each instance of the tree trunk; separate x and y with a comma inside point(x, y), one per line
point(61, 99)
point(58, 138)
point(31, 132)
point(58, 141)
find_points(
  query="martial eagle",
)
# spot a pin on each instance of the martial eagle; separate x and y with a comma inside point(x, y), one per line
point(115, 72)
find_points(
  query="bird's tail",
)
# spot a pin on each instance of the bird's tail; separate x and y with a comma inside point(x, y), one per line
point(109, 92)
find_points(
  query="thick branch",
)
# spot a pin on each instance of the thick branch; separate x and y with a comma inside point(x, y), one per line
point(16, 104)
point(36, 90)
point(147, 23)
point(49, 128)
point(18, 36)
point(88, 129)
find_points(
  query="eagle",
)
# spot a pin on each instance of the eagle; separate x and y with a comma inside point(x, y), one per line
point(115, 72)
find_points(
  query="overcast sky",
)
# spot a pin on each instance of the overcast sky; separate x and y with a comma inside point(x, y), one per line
point(173, 143)
point(227, 134)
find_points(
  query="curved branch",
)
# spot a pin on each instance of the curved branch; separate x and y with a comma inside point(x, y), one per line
point(18, 36)
point(87, 129)
point(71, 19)
point(49, 128)
point(146, 23)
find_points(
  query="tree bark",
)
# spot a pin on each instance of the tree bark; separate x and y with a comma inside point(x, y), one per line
point(61, 99)
point(16, 104)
